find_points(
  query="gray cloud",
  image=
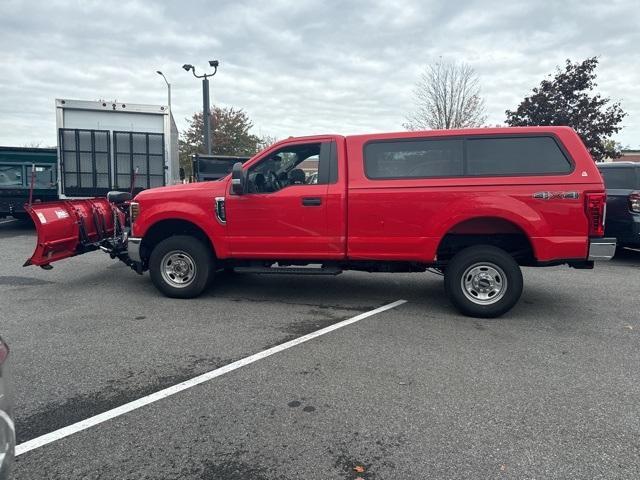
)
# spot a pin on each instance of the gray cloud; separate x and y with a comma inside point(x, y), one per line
point(301, 67)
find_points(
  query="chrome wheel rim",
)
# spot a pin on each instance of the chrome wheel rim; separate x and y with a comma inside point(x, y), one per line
point(178, 269)
point(484, 283)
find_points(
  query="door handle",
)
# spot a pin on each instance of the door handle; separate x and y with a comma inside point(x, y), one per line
point(311, 201)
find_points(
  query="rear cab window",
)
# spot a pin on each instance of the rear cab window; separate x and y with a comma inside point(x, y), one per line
point(473, 156)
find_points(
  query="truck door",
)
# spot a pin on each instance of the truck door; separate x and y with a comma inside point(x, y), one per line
point(283, 213)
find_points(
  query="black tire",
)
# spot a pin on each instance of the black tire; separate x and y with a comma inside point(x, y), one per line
point(184, 259)
point(493, 271)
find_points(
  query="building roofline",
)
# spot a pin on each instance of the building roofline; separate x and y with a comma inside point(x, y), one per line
point(28, 149)
point(103, 105)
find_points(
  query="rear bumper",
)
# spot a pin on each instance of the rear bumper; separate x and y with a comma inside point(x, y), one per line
point(626, 231)
point(601, 248)
point(133, 249)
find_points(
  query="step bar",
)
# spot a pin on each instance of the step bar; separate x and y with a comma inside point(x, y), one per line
point(290, 270)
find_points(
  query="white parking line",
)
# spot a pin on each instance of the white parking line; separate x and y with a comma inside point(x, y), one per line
point(205, 377)
point(8, 221)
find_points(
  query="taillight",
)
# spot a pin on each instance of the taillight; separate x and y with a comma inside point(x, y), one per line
point(634, 202)
point(594, 205)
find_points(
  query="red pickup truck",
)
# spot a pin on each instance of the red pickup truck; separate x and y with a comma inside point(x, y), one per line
point(474, 205)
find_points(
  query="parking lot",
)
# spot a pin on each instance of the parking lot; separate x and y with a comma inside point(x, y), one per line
point(550, 390)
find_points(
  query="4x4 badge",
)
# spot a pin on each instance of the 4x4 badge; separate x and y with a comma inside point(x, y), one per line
point(556, 195)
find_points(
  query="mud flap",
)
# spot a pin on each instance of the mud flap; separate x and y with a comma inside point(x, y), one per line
point(67, 228)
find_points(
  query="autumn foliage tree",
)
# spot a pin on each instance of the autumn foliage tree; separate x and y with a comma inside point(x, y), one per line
point(568, 98)
point(230, 135)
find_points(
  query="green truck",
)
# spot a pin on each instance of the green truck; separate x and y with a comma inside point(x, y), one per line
point(18, 166)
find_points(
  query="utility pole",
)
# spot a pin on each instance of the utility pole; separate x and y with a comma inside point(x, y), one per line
point(206, 115)
point(206, 105)
point(168, 88)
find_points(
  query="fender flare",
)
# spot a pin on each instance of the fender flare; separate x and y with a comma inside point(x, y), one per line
point(509, 209)
point(191, 214)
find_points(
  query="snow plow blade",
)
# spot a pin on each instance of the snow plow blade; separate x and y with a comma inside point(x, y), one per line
point(67, 228)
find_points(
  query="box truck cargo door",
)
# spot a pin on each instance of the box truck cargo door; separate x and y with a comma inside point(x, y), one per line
point(67, 228)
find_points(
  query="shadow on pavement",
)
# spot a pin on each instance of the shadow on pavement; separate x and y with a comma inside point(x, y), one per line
point(627, 256)
point(10, 227)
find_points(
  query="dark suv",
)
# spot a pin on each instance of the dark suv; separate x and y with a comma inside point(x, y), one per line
point(622, 181)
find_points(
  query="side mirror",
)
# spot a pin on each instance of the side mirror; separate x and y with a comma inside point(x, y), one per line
point(237, 179)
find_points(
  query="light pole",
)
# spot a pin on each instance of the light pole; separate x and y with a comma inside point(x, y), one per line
point(168, 87)
point(205, 100)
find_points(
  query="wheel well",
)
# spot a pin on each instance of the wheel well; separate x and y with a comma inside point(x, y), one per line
point(494, 231)
point(168, 228)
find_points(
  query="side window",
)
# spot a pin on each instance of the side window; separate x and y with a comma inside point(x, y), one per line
point(304, 164)
point(44, 176)
point(11, 175)
point(515, 156)
point(414, 159)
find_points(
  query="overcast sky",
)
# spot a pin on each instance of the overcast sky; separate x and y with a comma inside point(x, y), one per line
point(301, 67)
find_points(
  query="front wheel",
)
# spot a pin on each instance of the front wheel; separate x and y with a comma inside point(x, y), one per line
point(483, 281)
point(181, 266)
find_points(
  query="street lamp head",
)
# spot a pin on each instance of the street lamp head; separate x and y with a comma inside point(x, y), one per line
point(158, 72)
point(187, 67)
point(214, 63)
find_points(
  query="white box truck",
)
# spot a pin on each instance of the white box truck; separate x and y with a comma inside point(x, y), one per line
point(105, 146)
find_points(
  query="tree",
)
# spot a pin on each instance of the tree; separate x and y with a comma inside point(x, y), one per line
point(266, 141)
point(230, 135)
point(447, 95)
point(614, 148)
point(568, 99)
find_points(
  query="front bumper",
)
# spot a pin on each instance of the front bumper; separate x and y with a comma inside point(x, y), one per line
point(602, 248)
point(133, 249)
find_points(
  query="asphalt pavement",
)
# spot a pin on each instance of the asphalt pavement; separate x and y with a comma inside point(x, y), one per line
point(549, 390)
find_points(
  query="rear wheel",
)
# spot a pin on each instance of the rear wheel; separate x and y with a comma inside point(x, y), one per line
point(483, 281)
point(181, 266)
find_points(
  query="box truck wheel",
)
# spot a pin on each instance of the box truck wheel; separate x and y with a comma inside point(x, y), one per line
point(181, 266)
point(483, 281)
